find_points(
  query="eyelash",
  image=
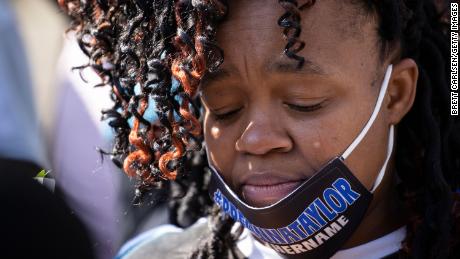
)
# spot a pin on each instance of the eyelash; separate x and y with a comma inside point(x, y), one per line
point(227, 115)
point(310, 108)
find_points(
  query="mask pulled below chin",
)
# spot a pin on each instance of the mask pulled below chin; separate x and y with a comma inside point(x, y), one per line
point(317, 218)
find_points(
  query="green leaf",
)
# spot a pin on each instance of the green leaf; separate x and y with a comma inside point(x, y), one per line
point(42, 174)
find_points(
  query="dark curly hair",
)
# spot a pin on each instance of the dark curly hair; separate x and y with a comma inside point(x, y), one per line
point(154, 53)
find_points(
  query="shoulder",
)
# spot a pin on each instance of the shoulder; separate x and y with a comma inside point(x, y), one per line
point(165, 241)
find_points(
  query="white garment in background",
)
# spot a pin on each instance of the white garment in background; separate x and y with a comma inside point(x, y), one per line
point(20, 136)
point(90, 187)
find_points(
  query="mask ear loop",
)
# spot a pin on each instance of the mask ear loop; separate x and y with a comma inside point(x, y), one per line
point(368, 125)
point(384, 167)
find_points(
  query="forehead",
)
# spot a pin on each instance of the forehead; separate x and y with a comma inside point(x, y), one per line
point(345, 17)
point(334, 32)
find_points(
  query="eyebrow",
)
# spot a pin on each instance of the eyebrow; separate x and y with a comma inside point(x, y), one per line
point(279, 65)
point(218, 75)
point(283, 65)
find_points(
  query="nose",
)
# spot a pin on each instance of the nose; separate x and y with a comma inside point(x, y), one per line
point(264, 134)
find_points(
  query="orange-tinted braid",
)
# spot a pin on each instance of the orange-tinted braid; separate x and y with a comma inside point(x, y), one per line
point(142, 154)
point(118, 37)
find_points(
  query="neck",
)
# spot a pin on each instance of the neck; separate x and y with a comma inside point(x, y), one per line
point(385, 215)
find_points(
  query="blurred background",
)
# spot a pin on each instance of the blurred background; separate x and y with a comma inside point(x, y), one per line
point(41, 26)
point(51, 117)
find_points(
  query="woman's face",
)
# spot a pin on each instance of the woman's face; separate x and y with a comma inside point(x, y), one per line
point(269, 126)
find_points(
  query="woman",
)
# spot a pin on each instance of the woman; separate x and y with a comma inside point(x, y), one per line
point(327, 125)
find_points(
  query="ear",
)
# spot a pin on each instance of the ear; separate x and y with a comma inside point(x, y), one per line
point(401, 90)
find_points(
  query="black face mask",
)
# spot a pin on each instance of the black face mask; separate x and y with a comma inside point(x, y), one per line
point(317, 218)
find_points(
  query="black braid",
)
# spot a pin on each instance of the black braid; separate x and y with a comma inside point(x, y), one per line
point(427, 155)
point(290, 22)
point(221, 243)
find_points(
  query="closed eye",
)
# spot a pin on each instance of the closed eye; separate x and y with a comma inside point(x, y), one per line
point(301, 108)
point(226, 115)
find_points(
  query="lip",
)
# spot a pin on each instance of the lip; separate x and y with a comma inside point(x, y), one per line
point(264, 189)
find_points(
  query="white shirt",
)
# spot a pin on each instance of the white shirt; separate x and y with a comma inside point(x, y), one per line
point(252, 249)
point(378, 248)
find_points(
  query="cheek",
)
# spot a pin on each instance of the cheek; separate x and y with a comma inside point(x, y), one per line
point(368, 157)
point(320, 140)
point(339, 130)
point(219, 144)
point(316, 141)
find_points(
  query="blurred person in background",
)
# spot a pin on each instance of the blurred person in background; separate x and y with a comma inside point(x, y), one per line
point(20, 133)
point(34, 221)
point(93, 186)
point(66, 134)
point(95, 189)
point(89, 185)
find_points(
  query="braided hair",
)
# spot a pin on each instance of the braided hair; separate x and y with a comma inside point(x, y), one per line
point(154, 53)
point(428, 154)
